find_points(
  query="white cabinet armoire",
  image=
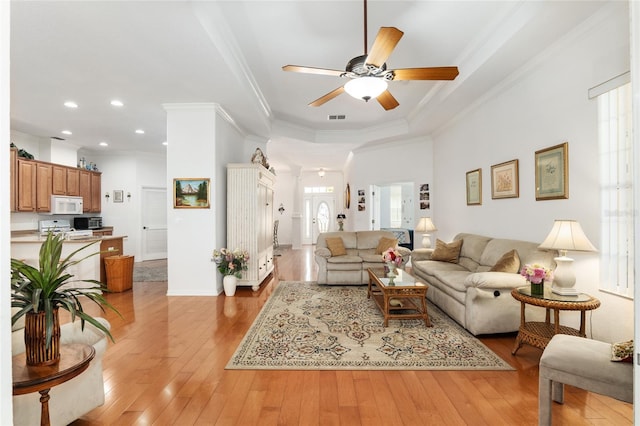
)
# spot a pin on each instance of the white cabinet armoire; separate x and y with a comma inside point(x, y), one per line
point(250, 218)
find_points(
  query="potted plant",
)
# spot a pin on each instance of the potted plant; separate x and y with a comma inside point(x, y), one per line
point(230, 264)
point(40, 292)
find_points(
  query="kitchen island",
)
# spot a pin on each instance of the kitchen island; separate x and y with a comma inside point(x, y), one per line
point(26, 247)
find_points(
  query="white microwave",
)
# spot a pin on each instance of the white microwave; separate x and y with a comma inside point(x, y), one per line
point(66, 205)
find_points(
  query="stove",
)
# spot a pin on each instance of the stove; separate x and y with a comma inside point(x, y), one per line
point(62, 226)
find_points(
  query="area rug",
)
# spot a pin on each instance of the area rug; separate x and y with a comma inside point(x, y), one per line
point(154, 270)
point(304, 326)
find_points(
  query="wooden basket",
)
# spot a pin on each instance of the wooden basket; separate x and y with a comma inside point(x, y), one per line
point(119, 271)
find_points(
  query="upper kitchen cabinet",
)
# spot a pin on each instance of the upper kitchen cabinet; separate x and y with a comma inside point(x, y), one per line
point(90, 189)
point(73, 181)
point(44, 186)
point(26, 185)
point(59, 179)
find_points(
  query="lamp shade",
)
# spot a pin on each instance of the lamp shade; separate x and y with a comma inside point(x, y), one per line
point(425, 225)
point(365, 87)
point(567, 235)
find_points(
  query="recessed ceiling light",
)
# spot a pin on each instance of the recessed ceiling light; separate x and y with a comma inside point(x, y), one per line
point(104, 144)
point(116, 103)
point(165, 143)
point(140, 132)
point(66, 132)
point(71, 104)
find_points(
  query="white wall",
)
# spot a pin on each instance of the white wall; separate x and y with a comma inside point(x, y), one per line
point(398, 161)
point(283, 193)
point(542, 107)
point(6, 407)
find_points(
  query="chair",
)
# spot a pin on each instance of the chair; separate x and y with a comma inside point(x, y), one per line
point(583, 363)
point(276, 244)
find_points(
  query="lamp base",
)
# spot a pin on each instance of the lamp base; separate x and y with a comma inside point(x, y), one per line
point(426, 241)
point(565, 291)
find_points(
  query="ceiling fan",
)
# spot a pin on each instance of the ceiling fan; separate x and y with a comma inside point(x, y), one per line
point(368, 73)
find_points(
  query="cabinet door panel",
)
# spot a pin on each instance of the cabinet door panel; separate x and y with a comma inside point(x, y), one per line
point(73, 182)
point(44, 187)
point(59, 179)
point(26, 193)
point(96, 189)
point(85, 190)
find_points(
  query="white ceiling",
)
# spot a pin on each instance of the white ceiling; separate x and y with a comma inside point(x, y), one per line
point(148, 53)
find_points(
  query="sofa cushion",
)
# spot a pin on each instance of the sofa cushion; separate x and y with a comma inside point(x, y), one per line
point(509, 262)
point(386, 243)
point(447, 252)
point(504, 280)
point(453, 279)
point(370, 256)
point(336, 246)
point(344, 263)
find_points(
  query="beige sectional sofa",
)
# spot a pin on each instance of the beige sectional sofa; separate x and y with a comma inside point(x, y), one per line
point(469, 292)
point(361, 252)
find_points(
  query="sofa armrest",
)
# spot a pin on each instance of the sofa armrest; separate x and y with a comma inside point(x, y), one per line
point(497, 280)
point(421, 254)
point(323, 252)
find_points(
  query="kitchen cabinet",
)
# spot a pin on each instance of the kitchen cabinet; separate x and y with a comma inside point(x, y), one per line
point(59, 180)
point(73, 181)
point(96, 190)
point(13, 159)
point(250, 219)
point(44, 186)
point(26, 185)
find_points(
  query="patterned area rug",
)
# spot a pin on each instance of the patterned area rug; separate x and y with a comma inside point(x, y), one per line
point(306, 326)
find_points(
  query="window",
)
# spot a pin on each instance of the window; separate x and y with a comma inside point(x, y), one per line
point(616, 168)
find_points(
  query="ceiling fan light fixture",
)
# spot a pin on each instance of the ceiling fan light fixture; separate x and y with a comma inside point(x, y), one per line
point(366, 87)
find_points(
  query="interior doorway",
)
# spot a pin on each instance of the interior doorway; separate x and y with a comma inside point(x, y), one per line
point(392, 205)
point(154, 223)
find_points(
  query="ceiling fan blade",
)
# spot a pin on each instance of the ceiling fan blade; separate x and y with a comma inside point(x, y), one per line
point(327, 97)
point(435, 73)
point(312, 70)
point(387, 100)
point(383, 45)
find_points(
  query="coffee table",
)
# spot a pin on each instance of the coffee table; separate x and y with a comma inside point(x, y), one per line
point(403, 298)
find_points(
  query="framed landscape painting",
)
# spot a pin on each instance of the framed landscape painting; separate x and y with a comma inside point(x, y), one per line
point(504, 180)
point(552, 172)
point(191, 193)
point(474, 187)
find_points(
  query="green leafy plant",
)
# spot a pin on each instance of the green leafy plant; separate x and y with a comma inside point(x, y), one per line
point(44, 288)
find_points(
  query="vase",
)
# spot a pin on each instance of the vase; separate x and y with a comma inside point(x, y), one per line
point(229, 283)
point(537, 289)
point(35, 339)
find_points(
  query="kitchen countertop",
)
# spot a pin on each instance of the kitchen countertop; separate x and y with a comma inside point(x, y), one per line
point(35, 237)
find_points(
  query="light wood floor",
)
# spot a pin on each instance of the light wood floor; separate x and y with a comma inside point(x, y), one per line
point(167, 368)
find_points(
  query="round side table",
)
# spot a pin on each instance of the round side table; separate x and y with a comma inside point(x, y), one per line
point(538, 334)
point(74, 359)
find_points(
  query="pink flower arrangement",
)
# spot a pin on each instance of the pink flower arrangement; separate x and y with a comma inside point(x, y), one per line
point(392, 256)
point(536, 273)
point(231, 262)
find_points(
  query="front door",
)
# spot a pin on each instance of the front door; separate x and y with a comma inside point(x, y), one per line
point(319, 214)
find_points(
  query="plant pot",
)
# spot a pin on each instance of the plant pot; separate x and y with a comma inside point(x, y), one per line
point(537, 289)
point(35, 339)
point(229, 283)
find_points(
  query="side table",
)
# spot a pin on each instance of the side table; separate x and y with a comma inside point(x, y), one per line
point(537, 333)
point(74, 359)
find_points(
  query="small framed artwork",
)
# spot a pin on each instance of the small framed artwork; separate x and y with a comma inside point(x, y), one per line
point(552, 172)
point(504, 180)
point(474, 187)
point(118, 196)
point(425, 198)
point(191, 193)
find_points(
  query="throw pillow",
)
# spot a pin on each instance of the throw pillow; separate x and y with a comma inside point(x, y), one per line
point(509, 262)
point(447, 252)
point(336, 246)
point(386, 243)
point(622, 351)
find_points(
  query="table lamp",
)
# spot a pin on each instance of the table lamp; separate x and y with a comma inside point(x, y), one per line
point(566, 235)
point(425, 225)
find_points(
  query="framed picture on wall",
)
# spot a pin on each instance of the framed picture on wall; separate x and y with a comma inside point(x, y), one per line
point(552, 172)
point(474, 187)
point(118, 196)
point(504, 180)
point(191, 193)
